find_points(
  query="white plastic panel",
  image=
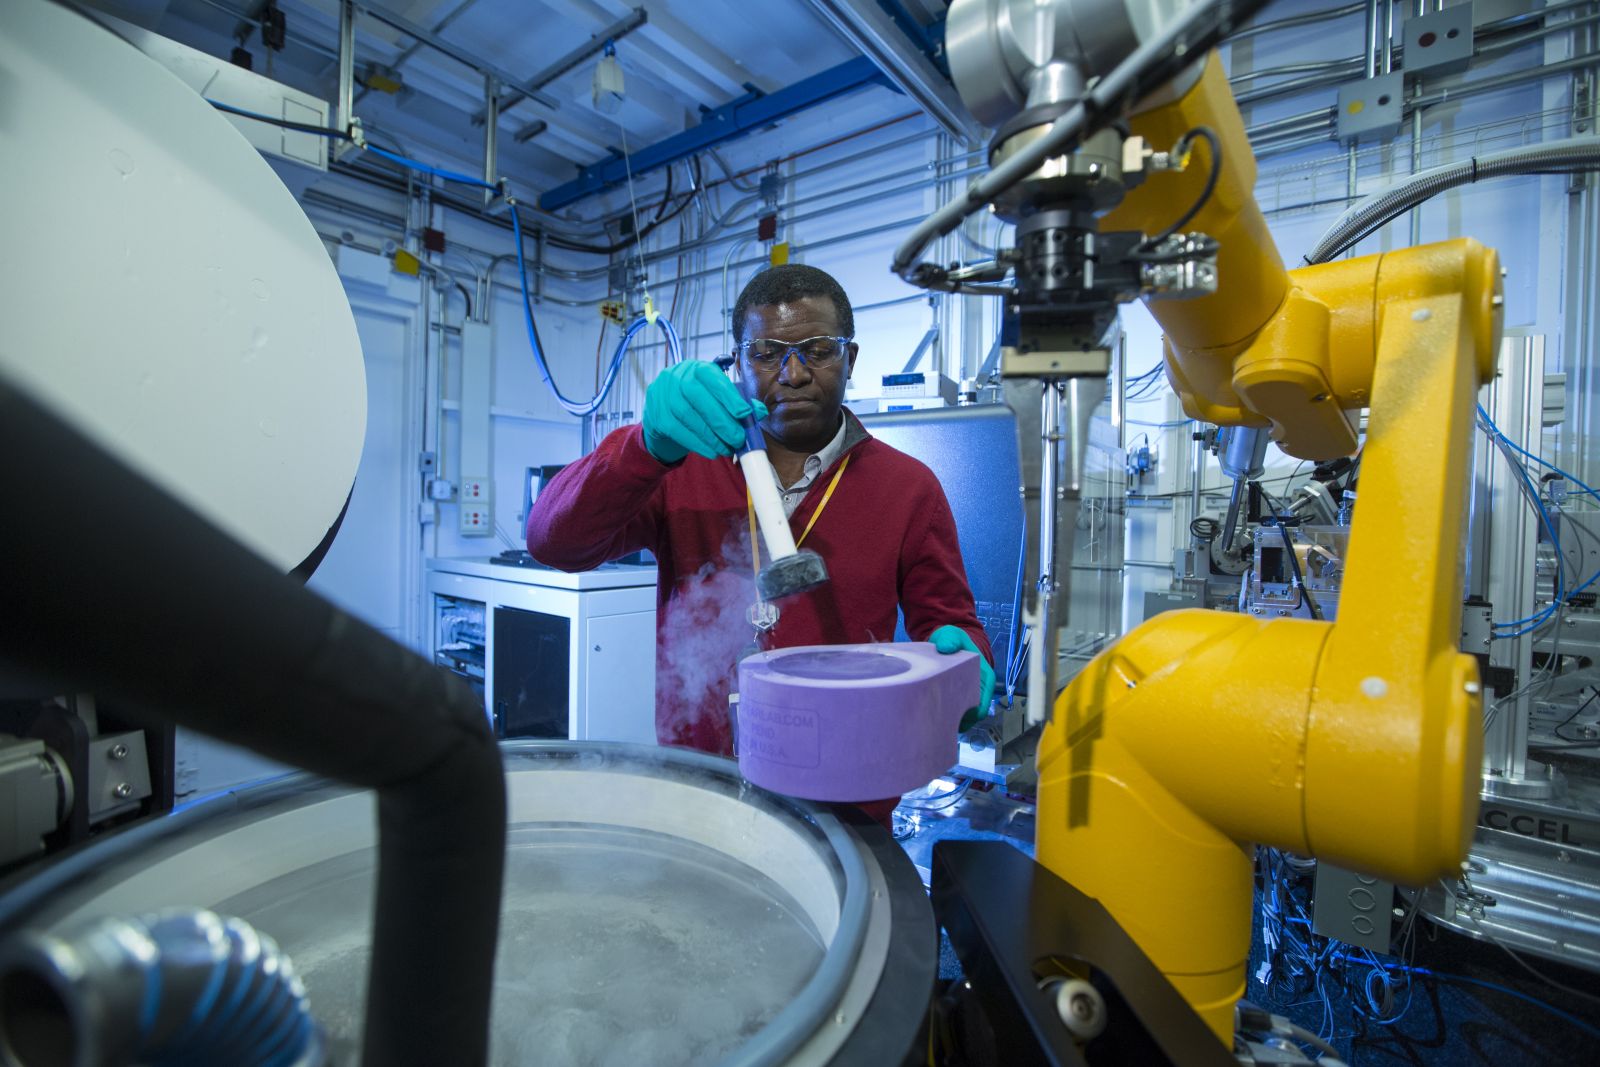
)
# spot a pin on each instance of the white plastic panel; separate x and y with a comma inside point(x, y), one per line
point(165, 292)
point(620, 671)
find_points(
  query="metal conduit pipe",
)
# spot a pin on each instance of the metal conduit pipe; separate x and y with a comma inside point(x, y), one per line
point(1547, 70)
point(717, 224)
point(1321, 118)
point(394, 182)
point(445, 199)
point(867, 153)
point(1569, 154)
point(1565, 66)
point(908, 172)
point(1512, 42)
point(1342, 70)
point(1321, 66)
point(708, 271)
point(821, 243)
point(1308, 19)
point(1374, 36)
point(596, 273)
point(855, 309)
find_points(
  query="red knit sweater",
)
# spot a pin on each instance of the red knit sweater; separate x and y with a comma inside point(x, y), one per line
point(887, 537)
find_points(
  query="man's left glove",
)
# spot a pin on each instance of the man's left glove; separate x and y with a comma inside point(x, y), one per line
point(952, 639)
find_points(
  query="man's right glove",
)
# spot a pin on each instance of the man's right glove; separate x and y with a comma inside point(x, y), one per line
point(693, 407)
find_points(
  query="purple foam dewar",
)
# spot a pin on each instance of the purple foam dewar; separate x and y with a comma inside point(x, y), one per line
point(852, 722)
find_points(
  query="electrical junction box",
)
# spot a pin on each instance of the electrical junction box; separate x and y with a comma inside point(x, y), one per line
point(1371, 109)
point(920, 384)
point(1439, 42)
point(477, 515)
point(1354, 908)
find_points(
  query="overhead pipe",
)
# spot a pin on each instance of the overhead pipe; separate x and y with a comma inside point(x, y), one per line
point(1488, 85)
point(1295, 21)
point(870, 29)
point(403, 58)
point(1488, 32)
point(344, 113)
point(587, 50)
point(454, 51)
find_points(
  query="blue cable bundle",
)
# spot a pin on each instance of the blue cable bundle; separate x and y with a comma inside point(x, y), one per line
point(1525, 483)
point(1146, 385)
point(1374, 987)
point(590, 406)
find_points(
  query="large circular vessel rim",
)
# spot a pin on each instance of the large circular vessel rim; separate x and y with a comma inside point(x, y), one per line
point(28, 890)
point(28, 893)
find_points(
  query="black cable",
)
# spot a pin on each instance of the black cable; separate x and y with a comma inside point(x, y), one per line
point(1294, 560)
point(666, 196)
point(302, 127)
point(1205, 529)
point(644, 231)
point(1575, 742)
point(467, 297)
point(1181, 148)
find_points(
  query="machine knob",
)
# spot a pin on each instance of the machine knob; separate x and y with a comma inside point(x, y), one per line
point(1082, 1009)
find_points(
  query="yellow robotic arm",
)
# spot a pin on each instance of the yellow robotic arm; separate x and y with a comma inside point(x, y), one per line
point(1357, 741)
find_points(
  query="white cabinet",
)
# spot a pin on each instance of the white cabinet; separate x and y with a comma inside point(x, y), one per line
point(563, 655)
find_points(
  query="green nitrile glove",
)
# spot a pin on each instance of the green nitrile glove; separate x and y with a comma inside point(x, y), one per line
point(952, 639)
point(693, 407)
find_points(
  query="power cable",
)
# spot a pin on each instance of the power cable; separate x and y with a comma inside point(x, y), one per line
point(1182, 149)
point(585, 408)
point(287, 124)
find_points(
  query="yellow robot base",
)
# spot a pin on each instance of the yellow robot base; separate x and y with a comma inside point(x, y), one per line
point(1358, 741)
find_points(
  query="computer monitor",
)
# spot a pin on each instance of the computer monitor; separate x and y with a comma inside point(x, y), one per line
point(535, 480)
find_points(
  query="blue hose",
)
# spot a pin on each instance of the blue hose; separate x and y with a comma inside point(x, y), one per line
point(179, 987)
point(428, 168)
point(582, 409)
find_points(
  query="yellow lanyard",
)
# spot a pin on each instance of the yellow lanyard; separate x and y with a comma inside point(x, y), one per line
point(750, 506)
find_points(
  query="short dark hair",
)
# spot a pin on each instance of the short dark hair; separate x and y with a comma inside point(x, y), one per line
point(784, 285)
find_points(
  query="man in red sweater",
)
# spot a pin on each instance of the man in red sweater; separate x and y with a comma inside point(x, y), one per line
point(877, 517)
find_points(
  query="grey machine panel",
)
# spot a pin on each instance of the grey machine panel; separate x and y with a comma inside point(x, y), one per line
point(973, 452)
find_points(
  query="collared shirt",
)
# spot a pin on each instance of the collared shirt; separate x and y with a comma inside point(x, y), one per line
point(815, 465)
